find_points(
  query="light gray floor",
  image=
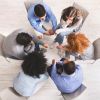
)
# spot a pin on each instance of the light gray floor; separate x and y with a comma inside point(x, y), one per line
point(13, 15)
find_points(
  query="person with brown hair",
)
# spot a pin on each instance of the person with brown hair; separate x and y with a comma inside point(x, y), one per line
point(42, 19)
point(79, 46)
point(66, 75)
point(70, 22)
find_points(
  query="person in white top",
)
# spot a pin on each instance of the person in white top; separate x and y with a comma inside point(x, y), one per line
point(70, 22)
point(32, 76)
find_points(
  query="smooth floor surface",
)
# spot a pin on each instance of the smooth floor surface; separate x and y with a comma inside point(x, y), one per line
point(13, 15)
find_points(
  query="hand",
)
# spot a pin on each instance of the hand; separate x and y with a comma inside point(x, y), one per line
point(51, 32)
point(47, 33)
point(45, 45)
point(66, 60)
point(59, 46)
point(40, 37)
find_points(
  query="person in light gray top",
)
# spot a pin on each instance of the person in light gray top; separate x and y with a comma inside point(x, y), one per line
point(32, 76)
point(19, 43)
point(70, 22)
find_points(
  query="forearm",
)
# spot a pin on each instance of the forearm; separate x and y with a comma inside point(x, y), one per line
point(72, 28)
point(37, 41)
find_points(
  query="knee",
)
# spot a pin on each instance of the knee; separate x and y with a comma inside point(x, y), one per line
point(61, 34)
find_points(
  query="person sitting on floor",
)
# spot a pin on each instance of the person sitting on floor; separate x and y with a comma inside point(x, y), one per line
point(19, 43)
point(66, 75)
point(32, 76)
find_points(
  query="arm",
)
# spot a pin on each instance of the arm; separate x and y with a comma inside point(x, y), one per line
point(32, 19)
point(49, 69)
point(72, 28)
point(52, 17)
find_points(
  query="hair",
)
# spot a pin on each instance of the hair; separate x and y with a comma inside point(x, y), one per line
point(69, 68)
point(70, 12)
point(77, 43)
point(39, 10)
point(23, 39)
point(34, 64)
point(59, 68)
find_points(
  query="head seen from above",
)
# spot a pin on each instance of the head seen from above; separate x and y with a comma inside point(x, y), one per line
point(40, 12)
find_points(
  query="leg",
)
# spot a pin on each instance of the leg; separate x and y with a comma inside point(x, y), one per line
point(60, 37)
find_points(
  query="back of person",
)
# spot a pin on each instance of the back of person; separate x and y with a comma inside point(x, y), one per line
point(32, 76)
point(79, 45)
point(88, 53)
point(11, 48)
point(26, 85)
point(67, 83)
point(72, 82)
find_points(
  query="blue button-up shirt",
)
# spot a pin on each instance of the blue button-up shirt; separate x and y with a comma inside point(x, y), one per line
point(35, 21)
point(67, 83)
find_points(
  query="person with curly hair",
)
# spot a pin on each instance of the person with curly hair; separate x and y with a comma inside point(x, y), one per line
point(19, 43)
point(79, 46)
point(32, 76)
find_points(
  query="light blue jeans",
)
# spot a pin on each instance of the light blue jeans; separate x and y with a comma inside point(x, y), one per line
point(60, 37)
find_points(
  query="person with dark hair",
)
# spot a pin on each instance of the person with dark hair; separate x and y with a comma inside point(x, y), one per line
point(42, 19)
point(66, 75)
point(32, 76)
point(70, 22)
point(18, 44)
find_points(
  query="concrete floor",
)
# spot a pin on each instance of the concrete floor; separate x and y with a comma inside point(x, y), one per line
point(13, 15)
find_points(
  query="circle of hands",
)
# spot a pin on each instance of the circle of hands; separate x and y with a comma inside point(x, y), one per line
point(50, 32)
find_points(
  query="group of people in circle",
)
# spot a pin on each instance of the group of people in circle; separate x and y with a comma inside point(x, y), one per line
point(66, 74)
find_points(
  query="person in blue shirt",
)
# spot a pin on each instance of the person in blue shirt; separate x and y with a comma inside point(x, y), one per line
point(66, 75)
point(39, 15)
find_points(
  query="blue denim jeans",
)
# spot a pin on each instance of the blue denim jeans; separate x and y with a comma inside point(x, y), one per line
point(60, 37)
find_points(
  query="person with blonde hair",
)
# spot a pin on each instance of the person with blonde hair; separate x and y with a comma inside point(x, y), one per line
point(79, 46)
